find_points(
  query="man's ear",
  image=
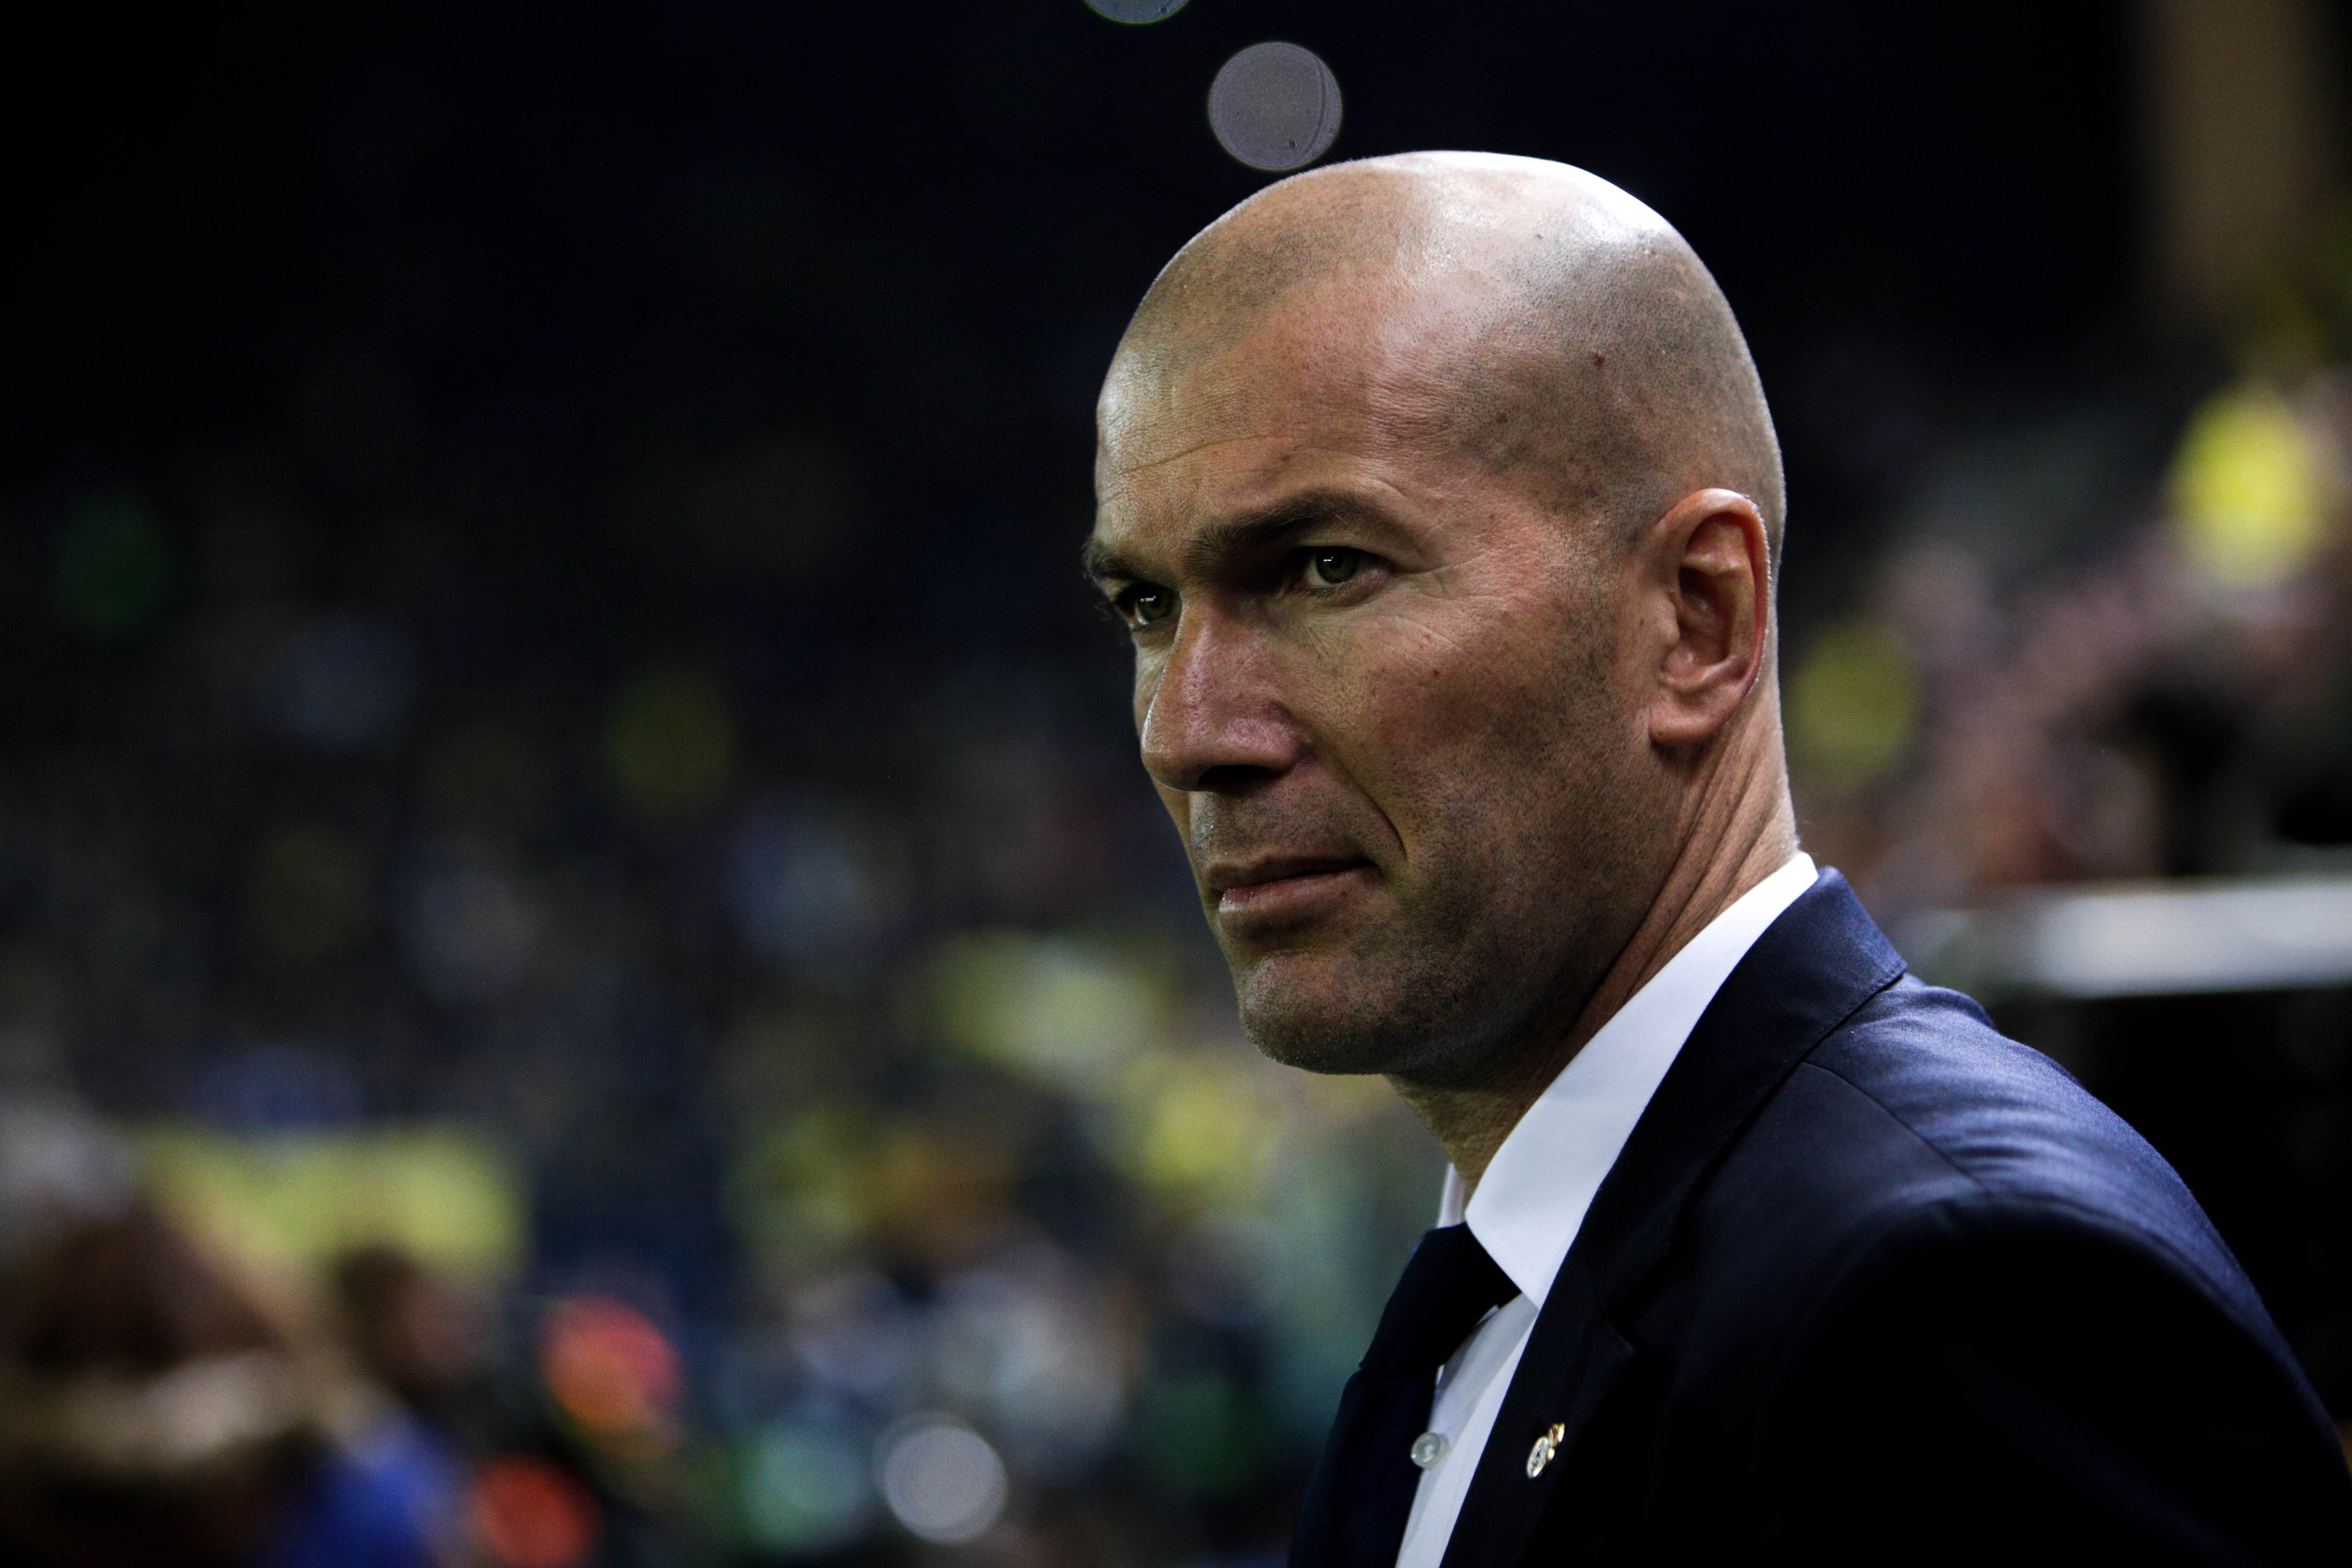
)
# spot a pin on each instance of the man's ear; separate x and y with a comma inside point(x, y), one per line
point(1709, 558)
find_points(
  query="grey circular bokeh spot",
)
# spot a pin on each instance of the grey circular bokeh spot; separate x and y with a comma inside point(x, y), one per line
point(1274, 106)
point(1136, 11)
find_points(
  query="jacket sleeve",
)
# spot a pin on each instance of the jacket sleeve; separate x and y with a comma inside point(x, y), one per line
point(2014, 1383)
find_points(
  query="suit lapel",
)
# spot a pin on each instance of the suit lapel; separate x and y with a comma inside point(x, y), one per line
point(1809, 970)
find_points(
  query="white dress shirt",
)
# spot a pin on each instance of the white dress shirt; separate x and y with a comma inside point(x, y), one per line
point(1530, 1204)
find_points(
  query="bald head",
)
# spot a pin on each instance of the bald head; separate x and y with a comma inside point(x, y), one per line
point(1566, 335)
point(1440, 499)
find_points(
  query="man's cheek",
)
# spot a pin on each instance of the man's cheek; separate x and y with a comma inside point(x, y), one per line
point(1419, 730)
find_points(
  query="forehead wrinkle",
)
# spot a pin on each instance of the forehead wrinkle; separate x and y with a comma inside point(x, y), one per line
point(1198, 447)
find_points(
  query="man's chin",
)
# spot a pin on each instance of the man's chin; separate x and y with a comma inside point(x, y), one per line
point(1341, 1018)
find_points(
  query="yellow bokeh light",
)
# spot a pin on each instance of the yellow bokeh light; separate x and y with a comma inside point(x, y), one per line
point(1067, 1012)
point(1852, 704)
point(297, 1201)
point(1199, 1128)
point(2249, 490)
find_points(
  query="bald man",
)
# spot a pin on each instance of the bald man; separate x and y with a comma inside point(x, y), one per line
point(1440, 495)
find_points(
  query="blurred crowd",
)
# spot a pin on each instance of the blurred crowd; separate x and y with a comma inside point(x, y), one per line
point(159, 1408)
point(959, 1328)
point(2105, 641)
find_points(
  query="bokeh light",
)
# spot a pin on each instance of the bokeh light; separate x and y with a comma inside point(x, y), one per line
point(608, 1367)
point(806, 1487)
point(1136, 13)
point(1274, 106)
point(1072, 1011)
point(2249, 488)
point(1200, 1128)
point(670, 742)
point(1852, 703)
point(282, 1198)
point(941, 1481)
point(526, 1512)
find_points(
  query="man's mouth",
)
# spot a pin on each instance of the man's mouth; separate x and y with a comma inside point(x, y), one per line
point(1284, 886)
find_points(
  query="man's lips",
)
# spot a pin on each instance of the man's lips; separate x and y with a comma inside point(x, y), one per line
point(1286, 885)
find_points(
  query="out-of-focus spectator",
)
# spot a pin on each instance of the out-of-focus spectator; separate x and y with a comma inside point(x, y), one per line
point(153, 1414)
point(2167, 698)
point(58, 1165)
point(417, 1333)
point(422, 1339)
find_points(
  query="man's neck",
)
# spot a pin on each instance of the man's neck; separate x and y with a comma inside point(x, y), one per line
point(1755, 839)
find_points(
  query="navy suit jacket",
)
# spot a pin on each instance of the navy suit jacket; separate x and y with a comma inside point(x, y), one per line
point(1871, 1283)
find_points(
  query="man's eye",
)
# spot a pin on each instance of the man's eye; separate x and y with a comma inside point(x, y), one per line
point(1330, 568)
point(1147, 606)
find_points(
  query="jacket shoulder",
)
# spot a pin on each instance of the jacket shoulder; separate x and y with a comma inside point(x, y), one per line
point(1916, 1107)
point(2014, 1130)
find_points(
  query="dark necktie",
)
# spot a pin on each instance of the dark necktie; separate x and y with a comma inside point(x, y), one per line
point(1361, 1497)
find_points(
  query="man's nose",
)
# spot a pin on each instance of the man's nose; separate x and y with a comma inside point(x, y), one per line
point(1216, 721)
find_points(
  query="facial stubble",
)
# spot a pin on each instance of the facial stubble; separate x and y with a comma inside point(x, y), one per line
point(1484, 945)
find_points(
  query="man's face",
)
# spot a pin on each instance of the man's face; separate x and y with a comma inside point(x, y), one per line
point(1378, 689)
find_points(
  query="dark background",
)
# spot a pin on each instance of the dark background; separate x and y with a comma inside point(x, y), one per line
point(409, 252)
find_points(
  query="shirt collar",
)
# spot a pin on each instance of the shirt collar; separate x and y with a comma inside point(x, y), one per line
point(1531, 1201)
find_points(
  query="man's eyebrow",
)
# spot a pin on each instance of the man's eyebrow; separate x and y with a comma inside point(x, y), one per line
point(1252, 533)
point(1104, 564)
